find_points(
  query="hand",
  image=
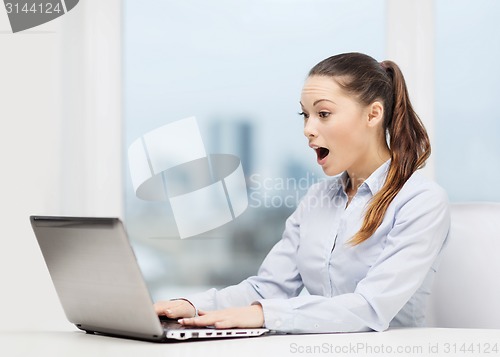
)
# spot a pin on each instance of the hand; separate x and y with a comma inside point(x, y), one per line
point(242, 317)
point(174, 309)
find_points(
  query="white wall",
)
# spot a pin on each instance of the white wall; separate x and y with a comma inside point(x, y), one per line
point(410, 43)
point(60, 144)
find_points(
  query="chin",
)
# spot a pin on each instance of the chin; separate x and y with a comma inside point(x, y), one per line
point(332, 171)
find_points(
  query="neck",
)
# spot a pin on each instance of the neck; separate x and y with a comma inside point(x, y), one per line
point(360, 172)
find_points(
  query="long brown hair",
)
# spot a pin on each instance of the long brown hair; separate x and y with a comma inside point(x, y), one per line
point(368, 81)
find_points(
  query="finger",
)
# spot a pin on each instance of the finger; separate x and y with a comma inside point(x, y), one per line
point(193, 321)
point(188, 321)
point(198, 321)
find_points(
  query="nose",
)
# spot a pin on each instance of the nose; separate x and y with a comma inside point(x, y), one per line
point(310, 130)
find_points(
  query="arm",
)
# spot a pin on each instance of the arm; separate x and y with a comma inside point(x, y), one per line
point(420, 228)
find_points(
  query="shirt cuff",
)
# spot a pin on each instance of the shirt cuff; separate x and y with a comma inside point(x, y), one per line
point(278, 314)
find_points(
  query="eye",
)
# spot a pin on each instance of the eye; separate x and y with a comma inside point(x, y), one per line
point(305, 115)
point(324, 114)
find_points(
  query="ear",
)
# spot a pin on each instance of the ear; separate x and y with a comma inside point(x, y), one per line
point(375, 114)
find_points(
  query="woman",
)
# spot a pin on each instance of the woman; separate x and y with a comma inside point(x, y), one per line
point(365, 244)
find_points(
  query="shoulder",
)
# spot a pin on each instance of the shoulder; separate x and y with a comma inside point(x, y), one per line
point(420, 194)
point(419, 184)
point(420, 210)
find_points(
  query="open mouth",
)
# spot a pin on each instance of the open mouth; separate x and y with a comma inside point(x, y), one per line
point(322, 153)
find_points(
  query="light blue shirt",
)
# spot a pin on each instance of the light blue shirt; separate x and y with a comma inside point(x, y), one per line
point(380, 283)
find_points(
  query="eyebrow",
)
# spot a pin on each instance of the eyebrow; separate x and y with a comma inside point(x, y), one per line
point(323, 100)
point(319, 101)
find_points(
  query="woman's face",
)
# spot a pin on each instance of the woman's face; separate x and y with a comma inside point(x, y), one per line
point(336, 126)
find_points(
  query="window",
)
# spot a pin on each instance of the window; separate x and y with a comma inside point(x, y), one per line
point(467, 90)
point(239, 68)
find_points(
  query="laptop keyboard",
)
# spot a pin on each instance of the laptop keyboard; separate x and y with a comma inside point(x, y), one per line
point(170, 324)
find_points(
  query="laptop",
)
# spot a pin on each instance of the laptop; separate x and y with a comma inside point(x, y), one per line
point(100, 284)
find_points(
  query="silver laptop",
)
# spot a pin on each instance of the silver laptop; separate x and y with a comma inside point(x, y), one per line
point(100, 285)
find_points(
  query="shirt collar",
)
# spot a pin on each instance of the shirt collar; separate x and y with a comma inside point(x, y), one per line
point(377, 179)
point(374, 182)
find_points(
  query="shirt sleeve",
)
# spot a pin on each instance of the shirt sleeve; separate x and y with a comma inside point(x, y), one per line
point(278, 276)
point(420, 229)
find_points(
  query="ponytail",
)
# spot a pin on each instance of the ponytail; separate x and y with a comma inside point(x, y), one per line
point(409, 146)
point(368, 81)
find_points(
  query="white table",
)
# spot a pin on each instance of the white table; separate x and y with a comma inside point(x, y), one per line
point(401, 342)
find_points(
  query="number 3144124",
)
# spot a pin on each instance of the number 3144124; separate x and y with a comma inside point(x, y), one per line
point(41, 8)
